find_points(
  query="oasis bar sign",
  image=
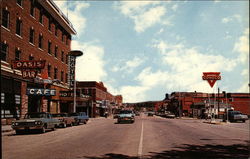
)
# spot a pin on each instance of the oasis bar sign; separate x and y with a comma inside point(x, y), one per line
point(41, 92)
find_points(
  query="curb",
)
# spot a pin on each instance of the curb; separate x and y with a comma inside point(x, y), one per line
point(215, 123)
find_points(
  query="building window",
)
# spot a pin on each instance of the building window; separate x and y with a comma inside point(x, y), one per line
point(62, 56)
point(62, 38)
point(40, 41)
point(32, 8)
point(62, 76)
point(18, 26)
point(19, 2)
point(5, 18)
point(56, 30)
point(49, 70)
point(41, 17)
point(66, 78)
point(32, 35)
point(55, 73)
point(49, 47)
point(56, 50)
point(66, 60)
point(31, 58)
point(17, 54)
point(50, 24)
point(4, 51)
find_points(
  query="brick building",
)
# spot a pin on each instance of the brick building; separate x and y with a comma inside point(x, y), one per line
point(196, 104)
point(33, 30)
point(100, 100)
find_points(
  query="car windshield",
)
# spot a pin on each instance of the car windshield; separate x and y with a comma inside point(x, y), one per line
point(125, 112)
point(35, 115)
point(59, 115)
point(73, 114)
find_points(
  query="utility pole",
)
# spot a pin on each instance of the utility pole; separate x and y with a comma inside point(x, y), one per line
point(218, 102)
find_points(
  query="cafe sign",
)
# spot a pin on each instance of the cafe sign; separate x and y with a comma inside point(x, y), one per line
point(41, 92)
point(211, 77)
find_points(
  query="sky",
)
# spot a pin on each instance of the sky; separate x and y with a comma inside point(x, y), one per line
point(145, 49)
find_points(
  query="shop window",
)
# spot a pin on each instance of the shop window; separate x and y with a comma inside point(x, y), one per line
point(49, 47)
point(18, 26)
point(2, 98)
point(17, 54)
point(19, 2)
point(4, 51)
point(5, 18)
point(40, 41)
point(32, 35)
point(56, 50)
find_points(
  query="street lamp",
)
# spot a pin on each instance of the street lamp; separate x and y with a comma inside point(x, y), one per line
point(72, 61)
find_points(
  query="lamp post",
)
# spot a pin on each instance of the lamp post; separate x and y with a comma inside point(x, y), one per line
point(72, 61)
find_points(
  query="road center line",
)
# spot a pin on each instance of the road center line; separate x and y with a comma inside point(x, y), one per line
point(141, 142)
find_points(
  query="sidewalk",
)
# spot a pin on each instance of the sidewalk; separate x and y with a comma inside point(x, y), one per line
point(6, 128)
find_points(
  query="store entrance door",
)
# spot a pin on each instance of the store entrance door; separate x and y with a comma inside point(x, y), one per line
point(34, 104)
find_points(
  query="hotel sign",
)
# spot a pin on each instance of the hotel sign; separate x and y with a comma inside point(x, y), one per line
point(41, 92)
point(211, 77)
point(71, 70)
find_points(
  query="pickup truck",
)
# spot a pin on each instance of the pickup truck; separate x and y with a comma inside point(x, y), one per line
point(236, 116)
point(80, 117)
point(35, 121)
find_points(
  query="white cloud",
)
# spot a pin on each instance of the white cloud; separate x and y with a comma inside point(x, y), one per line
point(78, 20)
point(187, 65)
point(133, 93)
point(145, 14)
point(90, 66)
point(242, 46)
point(129, 66)
point(231, 18)
point(174, 7)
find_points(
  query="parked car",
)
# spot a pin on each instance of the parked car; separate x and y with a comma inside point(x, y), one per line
point(236, 116)
point(80, 117)
point(35, 121)
point(64, 119)
point(151, 113)
point(126, 116)
point(168, 114)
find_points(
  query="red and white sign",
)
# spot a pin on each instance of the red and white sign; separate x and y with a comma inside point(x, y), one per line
point(28, 64)
point(211, 77)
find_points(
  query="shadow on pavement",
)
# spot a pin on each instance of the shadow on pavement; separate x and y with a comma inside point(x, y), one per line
point(186, 151)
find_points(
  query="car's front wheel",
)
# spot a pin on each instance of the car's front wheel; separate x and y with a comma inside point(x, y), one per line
point(43, 130)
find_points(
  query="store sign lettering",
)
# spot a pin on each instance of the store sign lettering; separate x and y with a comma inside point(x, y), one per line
point(28, 64)
point(41, 92)
point(71, 70)
point(29, 73)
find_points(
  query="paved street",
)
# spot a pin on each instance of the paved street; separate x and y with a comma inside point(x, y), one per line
point(149, 137)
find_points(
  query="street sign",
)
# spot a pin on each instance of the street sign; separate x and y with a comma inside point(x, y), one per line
point(211, 77)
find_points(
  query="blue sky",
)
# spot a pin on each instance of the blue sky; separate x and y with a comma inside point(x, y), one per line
point(144, 49)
